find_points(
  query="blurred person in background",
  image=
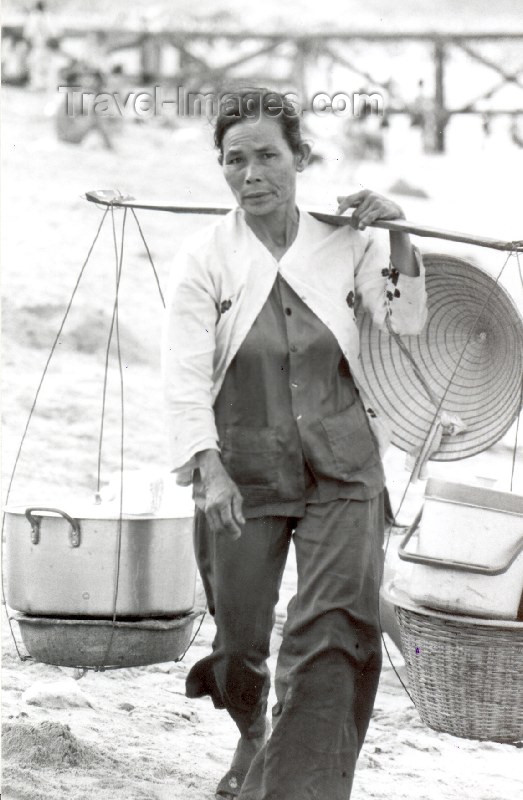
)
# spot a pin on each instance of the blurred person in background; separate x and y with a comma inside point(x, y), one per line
point(39, 28)
point(96, 51)
point(423, 116)
point(75, 115)
point(516, 130)
point(267, 420)
point(58, 63)
point(15, 60)
point(365, 130)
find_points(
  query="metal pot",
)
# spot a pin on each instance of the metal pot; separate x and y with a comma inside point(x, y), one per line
point(91, 564)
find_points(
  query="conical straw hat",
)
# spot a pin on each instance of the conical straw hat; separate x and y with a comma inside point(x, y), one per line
point(470, 353)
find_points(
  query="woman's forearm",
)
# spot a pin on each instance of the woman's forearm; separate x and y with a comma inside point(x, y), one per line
point(402, 254)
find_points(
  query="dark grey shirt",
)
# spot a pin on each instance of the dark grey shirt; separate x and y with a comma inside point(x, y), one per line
point(291, 424)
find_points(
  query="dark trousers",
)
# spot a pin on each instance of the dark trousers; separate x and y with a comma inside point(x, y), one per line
point(330, 657)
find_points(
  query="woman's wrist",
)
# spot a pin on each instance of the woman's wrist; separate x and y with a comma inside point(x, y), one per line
point(208, 462)
point(402, 254)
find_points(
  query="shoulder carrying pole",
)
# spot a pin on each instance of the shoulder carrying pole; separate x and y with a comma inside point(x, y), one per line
point(117, 200)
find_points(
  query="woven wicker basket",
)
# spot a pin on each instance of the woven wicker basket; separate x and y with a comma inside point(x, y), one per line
point(465, 674)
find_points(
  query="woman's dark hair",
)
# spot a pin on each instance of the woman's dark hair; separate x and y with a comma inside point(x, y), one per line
point(251, 104)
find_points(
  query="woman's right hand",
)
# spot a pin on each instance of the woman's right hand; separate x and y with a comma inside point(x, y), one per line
point(223, 501)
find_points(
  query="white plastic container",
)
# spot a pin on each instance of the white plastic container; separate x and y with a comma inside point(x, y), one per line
point(469, 557)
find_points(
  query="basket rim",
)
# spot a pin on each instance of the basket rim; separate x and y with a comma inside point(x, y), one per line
point(402, 600)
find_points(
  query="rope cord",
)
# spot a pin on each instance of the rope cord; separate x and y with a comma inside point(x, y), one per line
point(107, 353)
point(32, 409)
point(408, 355)
point(148, 251)
point(398, 676)
point(520, 273)
point(52, 351)
point(514, 452)
point(118, 268)
point(436, 414)
point(180, 658)
point(516, 437)
point(104, 400)
point(151, 262)
point(115, 326)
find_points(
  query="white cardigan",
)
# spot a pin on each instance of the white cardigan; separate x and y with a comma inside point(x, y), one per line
point(221, 279)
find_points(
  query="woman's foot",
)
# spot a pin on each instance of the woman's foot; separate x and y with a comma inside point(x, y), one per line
point(231, 783)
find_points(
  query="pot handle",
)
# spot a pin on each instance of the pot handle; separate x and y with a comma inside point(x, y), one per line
point(461, 566)
point(74, 534)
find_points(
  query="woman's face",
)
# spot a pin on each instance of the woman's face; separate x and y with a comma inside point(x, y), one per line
point(260, 167)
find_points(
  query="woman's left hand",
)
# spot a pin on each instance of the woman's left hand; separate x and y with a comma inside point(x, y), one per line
point(368, 207)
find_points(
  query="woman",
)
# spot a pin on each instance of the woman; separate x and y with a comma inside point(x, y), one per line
point(266, 419)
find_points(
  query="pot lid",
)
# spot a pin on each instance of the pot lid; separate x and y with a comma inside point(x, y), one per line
point(181, 507)
point(86, 512)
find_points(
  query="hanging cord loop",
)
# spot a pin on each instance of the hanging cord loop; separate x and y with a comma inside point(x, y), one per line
point(438, 406)
point(149, 256)
point(32, 409)
point(516, 436)
point(180, 658)
point(115, 326)
point(113, 333)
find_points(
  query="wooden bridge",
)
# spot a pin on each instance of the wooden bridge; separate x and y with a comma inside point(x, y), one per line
point(204, 60)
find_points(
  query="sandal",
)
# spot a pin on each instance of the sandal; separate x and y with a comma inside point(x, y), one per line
point(231, 784)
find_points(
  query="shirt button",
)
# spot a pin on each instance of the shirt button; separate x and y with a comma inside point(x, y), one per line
point(293, 348)
point(288, 311)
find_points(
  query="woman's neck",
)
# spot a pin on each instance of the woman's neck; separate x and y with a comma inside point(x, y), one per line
point(277, 230)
